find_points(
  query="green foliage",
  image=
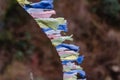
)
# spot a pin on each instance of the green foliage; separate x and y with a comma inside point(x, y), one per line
point(110, 7)
point(108, 10)
point(22, 46)
point(5, 35)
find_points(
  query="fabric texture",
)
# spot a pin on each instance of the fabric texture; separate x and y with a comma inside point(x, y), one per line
point(69, 53)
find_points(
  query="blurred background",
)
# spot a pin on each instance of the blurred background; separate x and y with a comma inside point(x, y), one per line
point(95, 25)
